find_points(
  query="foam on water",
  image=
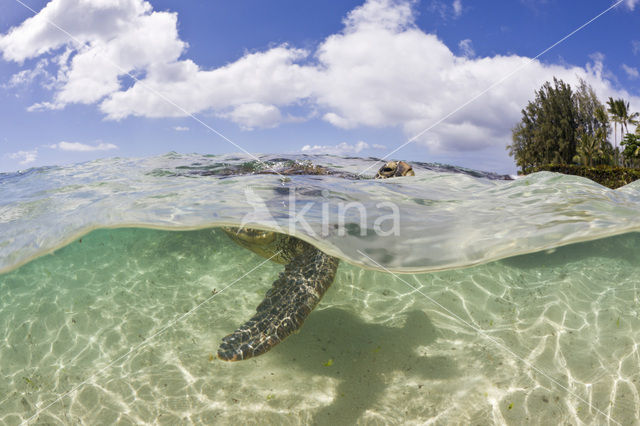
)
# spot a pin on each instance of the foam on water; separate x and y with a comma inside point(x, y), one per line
point(545, 338)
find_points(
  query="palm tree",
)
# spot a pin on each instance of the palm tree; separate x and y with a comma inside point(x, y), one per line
point(626, 116)
point(589, 147)
point(602, 126)
point(614, 112)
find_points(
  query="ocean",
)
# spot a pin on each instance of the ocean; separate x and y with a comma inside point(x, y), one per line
point(461, 297)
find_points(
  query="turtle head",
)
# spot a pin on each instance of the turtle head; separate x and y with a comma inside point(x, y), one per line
point(395, 169)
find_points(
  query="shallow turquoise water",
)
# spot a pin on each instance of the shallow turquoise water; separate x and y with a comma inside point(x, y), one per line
point(534, 339)
point(122, 325)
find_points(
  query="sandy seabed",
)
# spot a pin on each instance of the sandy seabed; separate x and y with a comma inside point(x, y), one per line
point(96, 333)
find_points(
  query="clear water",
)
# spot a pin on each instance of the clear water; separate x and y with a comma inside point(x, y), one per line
point(122, 324)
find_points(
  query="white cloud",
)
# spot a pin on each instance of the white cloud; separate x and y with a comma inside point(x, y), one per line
point(81, 147)
point(632, 73)
point(389, 14)
point(631, 4)
point(181, 128)
point(342, 148)
point(439, 7)
point(382, 77)
point(88, 21)
point(24, 157)
point(379, 71)
point(252, 115)
point(106, 32)
point(270, 78)
point(466, 47)
point(27, 76)
point(44, 106)
point(635, 46)
point(457, 8)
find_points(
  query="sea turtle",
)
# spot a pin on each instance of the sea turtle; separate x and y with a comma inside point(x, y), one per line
point(307, 275)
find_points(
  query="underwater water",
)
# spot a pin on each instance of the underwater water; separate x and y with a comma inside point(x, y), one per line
point(497, 302)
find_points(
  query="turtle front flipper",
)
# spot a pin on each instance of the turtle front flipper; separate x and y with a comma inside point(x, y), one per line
point(285, 307)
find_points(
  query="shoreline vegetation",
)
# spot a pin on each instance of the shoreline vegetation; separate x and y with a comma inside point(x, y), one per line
point(569, 131)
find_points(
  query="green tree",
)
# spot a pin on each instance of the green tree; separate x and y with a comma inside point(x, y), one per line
point(626, 116)
point(592, 127)
point(547, 132)
point(590, 112)
point(589, 149)
point(614, 113)
point(606, 153)
point(562, 126)
point(631, 143)
point(521, 149)
point(621, 113)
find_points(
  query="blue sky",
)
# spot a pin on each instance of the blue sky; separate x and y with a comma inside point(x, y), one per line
point(343, 77)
